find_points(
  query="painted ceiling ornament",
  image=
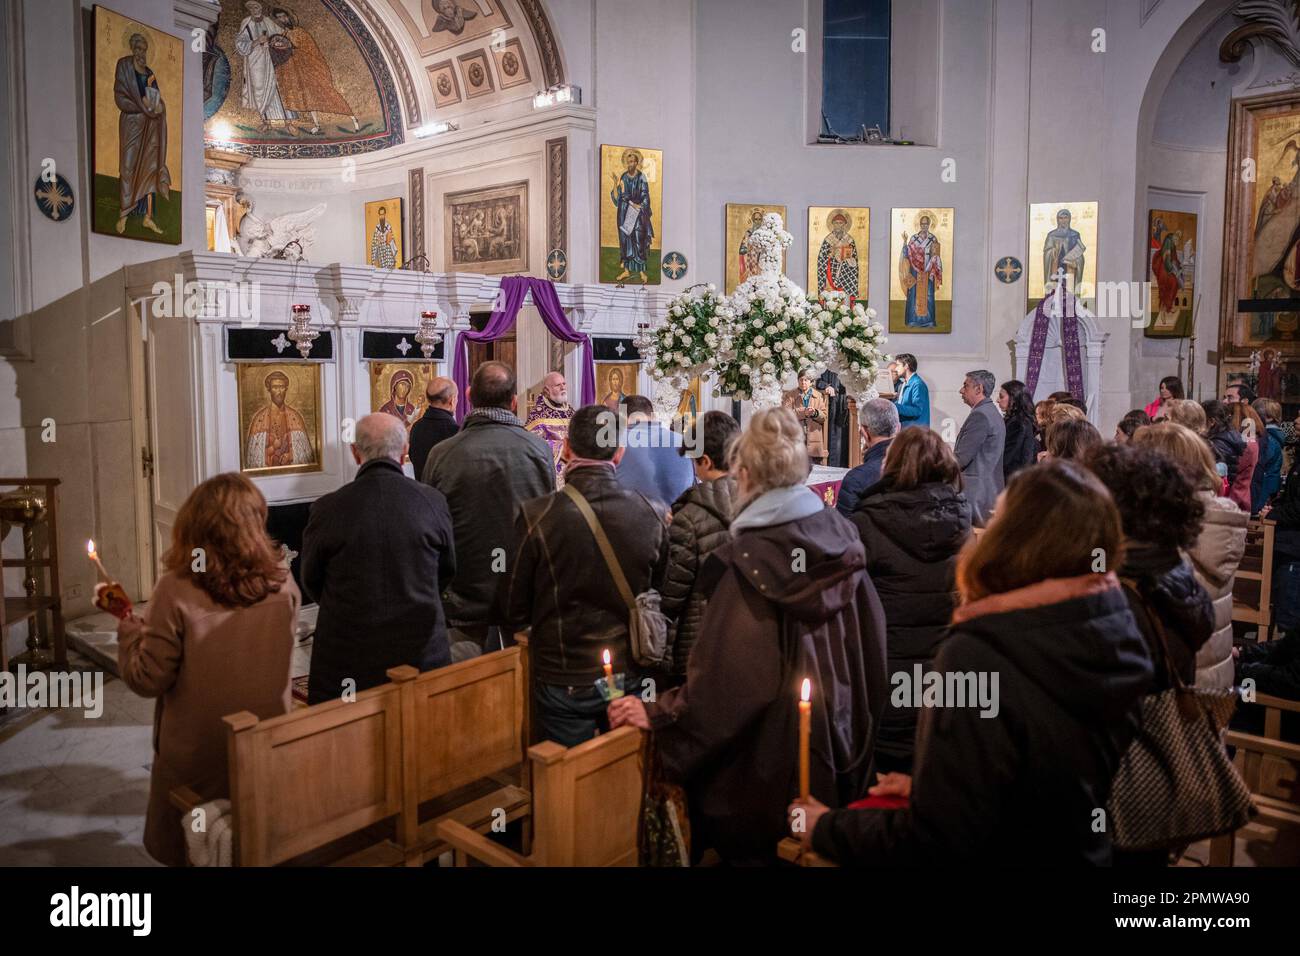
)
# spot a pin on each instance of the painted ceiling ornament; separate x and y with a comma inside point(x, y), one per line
point(54, 197)
point(1275, 21)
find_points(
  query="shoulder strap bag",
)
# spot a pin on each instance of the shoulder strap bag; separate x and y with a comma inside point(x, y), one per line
point(647, 627)
point(1175, 783)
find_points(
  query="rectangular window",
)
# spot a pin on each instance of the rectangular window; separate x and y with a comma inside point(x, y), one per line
point(855, 66)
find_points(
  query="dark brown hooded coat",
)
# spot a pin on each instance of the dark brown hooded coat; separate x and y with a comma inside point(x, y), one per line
point(787, 601)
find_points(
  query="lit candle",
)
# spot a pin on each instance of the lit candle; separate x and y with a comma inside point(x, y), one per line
point(805, 727)
point(94, 556)
point(609, 670)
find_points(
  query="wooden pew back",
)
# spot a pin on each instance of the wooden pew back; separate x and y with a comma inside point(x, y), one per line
point(463, 725)
point(588, 801)
point(306, 779)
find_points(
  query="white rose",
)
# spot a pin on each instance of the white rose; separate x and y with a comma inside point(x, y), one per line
point(745, 370)
point(689, 322)
point(759, 340)
point(713, 321)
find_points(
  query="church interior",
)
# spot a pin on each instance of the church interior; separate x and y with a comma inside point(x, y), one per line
point(318, 316)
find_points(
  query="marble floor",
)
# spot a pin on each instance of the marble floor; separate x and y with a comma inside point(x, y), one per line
point(73, 790)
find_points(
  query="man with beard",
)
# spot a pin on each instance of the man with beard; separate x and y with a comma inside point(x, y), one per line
point(550, 414)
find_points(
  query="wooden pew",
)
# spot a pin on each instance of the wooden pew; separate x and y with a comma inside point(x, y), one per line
point(1252, 592)
point(1266, 763)
point(465, 732)
point(319, 786)
point(791, 851)
point(349, 782)
point(586, 807)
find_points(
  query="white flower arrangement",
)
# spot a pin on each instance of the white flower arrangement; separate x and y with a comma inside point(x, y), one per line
point(852, 343)
point(694, 335)
point(772, 341)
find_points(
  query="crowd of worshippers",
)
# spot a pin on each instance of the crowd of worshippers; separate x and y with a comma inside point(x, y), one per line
point(763, 586)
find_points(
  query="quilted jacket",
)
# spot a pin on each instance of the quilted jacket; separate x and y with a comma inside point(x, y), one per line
point(701, 522)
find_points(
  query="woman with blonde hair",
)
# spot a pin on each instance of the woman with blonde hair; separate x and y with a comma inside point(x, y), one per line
point(1017, 781)
point(216, 638)
point(1185, 412)
point(1217, 551)
point(790, 599)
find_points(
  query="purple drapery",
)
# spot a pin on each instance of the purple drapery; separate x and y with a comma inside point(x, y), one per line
point(1070, 351)
point(514, 291)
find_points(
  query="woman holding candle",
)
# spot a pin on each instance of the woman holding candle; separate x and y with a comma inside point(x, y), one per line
point(1020, 781)
point(215, 639)
point(790, 599)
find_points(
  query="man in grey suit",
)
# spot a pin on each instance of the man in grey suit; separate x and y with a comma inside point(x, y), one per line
point(979, 445)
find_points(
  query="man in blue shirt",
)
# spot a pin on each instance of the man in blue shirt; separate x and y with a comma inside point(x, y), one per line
point(913, 398)
point(878, 420)
point(652, 464)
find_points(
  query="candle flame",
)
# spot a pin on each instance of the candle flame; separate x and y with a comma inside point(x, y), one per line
point(805, 692)
point(90, 547)
point(605, 657)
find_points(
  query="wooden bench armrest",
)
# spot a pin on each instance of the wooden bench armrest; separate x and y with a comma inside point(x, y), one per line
point(792, 851)
point(185, 799)
point(1263, 745)
point(1281, 703)
point(464, 840)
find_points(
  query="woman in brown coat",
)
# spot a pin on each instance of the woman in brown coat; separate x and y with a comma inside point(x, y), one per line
point(216, 638)
point(809, 407)
point(730, 734)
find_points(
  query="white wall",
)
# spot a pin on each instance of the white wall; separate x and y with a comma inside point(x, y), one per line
point(74, 370)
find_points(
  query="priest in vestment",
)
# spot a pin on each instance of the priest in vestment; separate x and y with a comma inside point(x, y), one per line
point(549, 417)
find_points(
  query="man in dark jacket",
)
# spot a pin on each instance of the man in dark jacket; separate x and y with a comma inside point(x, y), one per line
point(701, 517)
point(878, 420)
point(562, 587)
point(375, 555)
point(486, 470)
point(437, 423)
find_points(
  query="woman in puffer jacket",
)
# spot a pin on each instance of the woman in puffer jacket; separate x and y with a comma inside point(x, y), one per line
point(1216, 553)
point(913, 522)
point(701, 521)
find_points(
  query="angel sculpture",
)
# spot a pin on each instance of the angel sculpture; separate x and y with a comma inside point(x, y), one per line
point(283, 237)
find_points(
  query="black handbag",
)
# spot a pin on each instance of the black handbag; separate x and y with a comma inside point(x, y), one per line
point(1176, 784)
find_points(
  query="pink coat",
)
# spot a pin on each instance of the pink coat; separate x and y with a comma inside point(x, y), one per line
point(1240, 490)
